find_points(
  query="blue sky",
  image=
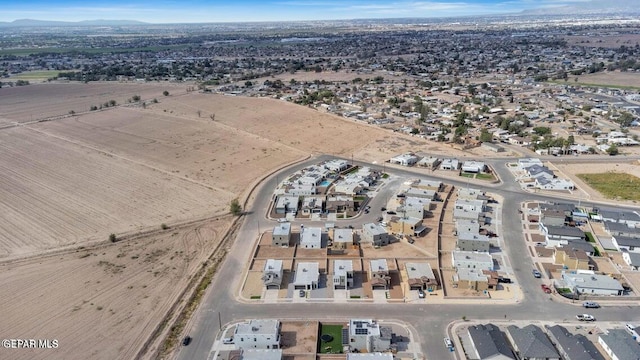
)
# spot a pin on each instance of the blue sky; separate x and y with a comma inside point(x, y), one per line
point(173, 11)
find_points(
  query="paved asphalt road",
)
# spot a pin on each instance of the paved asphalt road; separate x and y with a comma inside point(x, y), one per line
point(429, 321)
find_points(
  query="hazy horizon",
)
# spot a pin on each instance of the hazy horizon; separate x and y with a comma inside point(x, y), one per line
point(201, 11)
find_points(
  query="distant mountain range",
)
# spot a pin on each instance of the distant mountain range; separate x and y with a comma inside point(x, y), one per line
point(593, 7)
point(626, 7)
point(49, 23)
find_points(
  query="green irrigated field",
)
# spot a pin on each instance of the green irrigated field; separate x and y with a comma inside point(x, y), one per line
point(614, 185)
point(35, 75)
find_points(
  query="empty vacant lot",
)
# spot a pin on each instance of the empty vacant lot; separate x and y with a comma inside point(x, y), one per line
point(101, 302)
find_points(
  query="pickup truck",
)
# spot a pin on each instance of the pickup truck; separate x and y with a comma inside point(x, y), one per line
point(585, 317)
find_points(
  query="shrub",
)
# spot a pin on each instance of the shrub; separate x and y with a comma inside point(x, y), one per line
point(235, 207)
point(165, 93)
point(113, 238)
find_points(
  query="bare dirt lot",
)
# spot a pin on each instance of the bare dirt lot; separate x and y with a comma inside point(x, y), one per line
point(124, 169)
point(101, 302)
point(42, 101)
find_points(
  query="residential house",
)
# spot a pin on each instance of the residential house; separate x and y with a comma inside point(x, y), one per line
point(629, 218)
point(311, 238)
point(544, 183)
point(553, 217)
point(272, 274)
point(367, 336)
point(475, 205)
point(581, 245)
point(620, 229)
point(349, 186)
point(461, 214)
point(407, 159)
point(632, 259)
point(471, 260)
point(429, 162)
point(519, 140)
point(375, 234)
point(471, 194)
point(478, 280)
point(450, 164)
point(370, 356)
point(531, 343)
point(379, 277)
point(572, 347)
point(336, 165)
point(492, 147)
point(567, 208)
point(341, 239)
point(524, 163)
point(298, 189)
point(258, 334)
point(470, 166)
point(339, 203)
point(306, 276)
point(592, 284)
point(428, 184)
point(311, 205)
point(421, 276)
point(559, 235)
point(256, 354)
point(421, 193)
point(281, 235)
point(619, 345)
point(472, 242)
point(286, 204)
point(571, 258)
point(342, 274)
point(535, 170)
point(406, 226)
point(467, 226)
point(489, 342)
point(414, 207)
point(628, 244)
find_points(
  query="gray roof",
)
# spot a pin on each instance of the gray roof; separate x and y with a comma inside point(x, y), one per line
point(627, 241)
point(537, 169)
point(581, 245)
point(620, 215)
point(622, 344)
point(575, 347)
point(615, 228)
point(489, 341)
point(565, 231)
point(531, 342)
point(564, 207)
point(635, 258)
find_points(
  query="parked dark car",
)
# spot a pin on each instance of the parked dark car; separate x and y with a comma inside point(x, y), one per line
point(504, 280)
point(186, 341)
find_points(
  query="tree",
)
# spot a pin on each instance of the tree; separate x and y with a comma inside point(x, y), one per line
point(485, 135)
point(135, 98)
point(165, 93)
point(612, 150)
point(113, 238)
point(212, 117)
point(235, 207)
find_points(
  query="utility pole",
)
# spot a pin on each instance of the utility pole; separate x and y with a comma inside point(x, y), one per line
point(219, 321)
